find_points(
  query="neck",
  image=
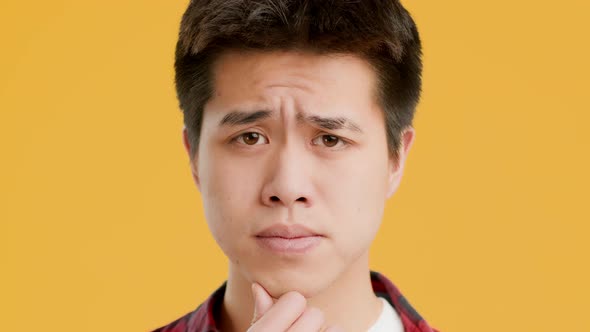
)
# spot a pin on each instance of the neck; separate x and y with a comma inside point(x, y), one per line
point(348, 302)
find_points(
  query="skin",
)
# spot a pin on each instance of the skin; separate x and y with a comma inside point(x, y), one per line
point(287, 168)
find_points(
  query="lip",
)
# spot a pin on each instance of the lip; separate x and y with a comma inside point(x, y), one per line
point(287, 231)
point(288, 239)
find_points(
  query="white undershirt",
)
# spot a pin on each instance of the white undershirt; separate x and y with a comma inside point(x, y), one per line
point(388, 321)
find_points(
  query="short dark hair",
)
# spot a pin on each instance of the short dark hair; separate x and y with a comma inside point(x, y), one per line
point(380, 31)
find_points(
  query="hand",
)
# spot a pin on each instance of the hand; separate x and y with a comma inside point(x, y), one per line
point(289, 313)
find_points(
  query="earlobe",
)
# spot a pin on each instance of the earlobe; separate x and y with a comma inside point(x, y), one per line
point(192, 161)
point(397, 166)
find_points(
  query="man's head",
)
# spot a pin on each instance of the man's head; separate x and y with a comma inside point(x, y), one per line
point(297, 112)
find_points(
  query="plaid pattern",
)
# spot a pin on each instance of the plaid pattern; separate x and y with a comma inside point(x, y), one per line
point(203, 318)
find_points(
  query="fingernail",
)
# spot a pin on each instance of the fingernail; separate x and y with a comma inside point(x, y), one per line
point(254, 291)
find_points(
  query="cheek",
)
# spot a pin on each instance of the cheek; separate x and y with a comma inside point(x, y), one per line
point(359, 185)
point(227, 181)
point(228, 194)
point(357, 202)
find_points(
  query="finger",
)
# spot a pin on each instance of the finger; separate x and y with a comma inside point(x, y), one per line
point(282, 314)
point(312, 319)
point(334, 329)
point(262, 301)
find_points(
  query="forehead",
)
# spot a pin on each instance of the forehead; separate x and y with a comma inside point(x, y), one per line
point(339, 80)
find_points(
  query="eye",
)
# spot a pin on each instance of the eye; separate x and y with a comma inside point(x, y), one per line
point(329, 141)
point(251, 138)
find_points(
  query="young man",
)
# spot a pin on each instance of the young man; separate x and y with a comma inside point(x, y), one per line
point(298, 121)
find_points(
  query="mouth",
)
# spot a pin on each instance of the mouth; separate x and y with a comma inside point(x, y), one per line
point(288, 239)
point(296, 245)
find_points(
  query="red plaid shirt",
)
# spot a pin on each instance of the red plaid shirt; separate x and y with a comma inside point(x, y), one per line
point(203, 319)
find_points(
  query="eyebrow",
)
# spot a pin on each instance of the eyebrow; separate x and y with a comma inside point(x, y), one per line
point(330, 123)
point(238, 118)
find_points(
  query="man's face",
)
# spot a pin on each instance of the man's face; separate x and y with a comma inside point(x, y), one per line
point(294, 139)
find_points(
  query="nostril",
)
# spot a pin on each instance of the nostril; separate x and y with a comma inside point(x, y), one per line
point(277, 199)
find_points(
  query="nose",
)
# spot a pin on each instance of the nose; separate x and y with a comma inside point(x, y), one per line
point(287, 183)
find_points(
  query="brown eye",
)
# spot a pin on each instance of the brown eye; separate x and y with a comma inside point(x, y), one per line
point(251, 138)
point(330, 140)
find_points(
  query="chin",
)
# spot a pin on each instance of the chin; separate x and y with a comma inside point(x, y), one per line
point(282, 280)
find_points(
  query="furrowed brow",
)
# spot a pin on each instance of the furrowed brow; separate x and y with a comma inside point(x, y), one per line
point(330, 123)
point(237, 118)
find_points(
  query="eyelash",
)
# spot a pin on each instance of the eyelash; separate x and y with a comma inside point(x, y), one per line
point(341, 140)
point(235, 139)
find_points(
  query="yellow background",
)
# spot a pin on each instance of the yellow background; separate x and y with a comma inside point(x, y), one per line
point(102, 228)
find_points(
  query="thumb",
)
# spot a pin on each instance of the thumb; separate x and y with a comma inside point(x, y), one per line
point(262, 301)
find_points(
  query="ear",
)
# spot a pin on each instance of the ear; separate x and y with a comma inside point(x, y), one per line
point(396, 167)
point(193, 161)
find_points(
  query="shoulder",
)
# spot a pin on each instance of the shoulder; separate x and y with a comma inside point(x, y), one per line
point(182, 324)
point(202, 319)
point(411, 319)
